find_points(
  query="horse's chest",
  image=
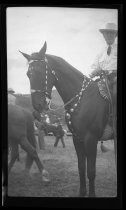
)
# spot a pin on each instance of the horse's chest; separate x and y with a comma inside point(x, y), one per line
point(77, 116)
point(72, 122)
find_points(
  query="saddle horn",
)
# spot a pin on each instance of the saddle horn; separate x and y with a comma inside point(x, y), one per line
point(43, 50)
point(25, 55)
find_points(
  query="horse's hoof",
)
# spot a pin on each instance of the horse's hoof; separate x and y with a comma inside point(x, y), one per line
point(45, 180)
point(45, 176)
point(45, 172)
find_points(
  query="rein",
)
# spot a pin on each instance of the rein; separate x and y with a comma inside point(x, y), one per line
point(77, 95)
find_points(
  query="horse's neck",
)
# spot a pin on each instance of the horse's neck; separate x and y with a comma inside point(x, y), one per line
point(68, 87)
point(69, 81)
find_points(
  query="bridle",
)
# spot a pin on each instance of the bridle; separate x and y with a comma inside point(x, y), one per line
point(47, 95)
point(69, 106)
point(45, 91)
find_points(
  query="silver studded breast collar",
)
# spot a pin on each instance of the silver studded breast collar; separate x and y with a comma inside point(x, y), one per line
point(72, 107)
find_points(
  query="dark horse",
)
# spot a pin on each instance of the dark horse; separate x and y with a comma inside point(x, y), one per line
point(86, 111)
point(21, 132)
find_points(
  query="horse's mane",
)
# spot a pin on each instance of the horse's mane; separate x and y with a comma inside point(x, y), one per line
point(61, 62)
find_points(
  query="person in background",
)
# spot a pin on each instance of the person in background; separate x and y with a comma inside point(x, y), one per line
point(41, 133)
point(60, 134)
point(11, 96)
point(106, 60)
point(47, 118)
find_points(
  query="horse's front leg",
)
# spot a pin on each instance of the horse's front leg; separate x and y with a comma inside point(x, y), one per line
point(34, 156)
point(91, 152)
point(79, 147)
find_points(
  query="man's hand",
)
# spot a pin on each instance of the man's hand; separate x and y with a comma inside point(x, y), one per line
point(96, 73)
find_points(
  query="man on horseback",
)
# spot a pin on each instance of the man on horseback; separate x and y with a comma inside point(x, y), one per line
point(105, 64)
point(106, 61)
point(86, 111)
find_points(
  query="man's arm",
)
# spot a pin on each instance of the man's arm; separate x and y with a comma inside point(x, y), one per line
point(95, 67)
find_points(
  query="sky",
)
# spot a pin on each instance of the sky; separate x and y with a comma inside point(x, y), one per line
point(70, 33)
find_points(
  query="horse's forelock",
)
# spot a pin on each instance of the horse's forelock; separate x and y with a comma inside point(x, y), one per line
point(36, 56)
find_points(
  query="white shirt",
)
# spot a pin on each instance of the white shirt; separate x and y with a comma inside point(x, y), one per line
point(11, 99)
point(104, 61)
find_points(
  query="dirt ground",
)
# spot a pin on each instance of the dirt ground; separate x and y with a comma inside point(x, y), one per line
point(61, 164)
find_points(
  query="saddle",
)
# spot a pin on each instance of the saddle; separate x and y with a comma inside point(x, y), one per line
point(105, 85)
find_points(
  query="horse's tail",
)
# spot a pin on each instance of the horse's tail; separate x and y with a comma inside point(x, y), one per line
point(104, 148)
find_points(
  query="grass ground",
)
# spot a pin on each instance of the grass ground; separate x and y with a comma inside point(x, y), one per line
point(61, 164)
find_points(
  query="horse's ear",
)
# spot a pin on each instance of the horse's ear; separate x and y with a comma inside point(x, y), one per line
point(25, 55)
point(43, 50)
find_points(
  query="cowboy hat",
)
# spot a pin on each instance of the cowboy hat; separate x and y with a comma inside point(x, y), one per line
point(109, 27)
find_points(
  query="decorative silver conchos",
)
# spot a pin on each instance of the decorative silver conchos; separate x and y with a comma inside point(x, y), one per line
point(46, 60)
point(53, 72)
point(84, 86)
point(71, 110)
point(68, 115)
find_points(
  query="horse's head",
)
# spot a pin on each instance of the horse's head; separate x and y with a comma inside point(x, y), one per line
point(41, 79)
